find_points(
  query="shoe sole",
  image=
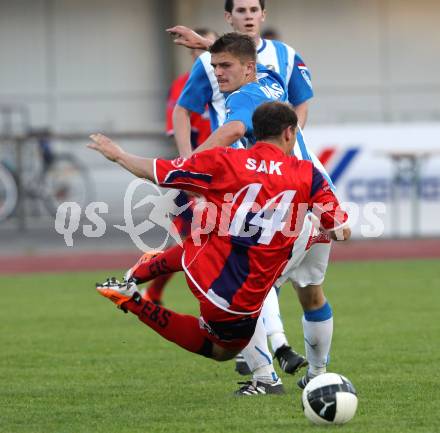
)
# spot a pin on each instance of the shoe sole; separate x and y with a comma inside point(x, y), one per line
point(113, 295)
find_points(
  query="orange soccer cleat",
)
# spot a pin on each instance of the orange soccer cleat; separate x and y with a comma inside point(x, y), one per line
point(118, 293)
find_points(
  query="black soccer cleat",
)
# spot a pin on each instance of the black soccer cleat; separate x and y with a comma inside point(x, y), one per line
point(304, 381)
point(290, 361)
point(241, 366)
point(255, 387)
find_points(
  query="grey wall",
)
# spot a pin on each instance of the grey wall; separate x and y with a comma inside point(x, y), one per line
point(82, 64)
point(87, 65)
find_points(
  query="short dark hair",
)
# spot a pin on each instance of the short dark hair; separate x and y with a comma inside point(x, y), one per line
point(204, 31)
point(239, 45)
point(229, 5)
point(272, 118)
point(270, 33)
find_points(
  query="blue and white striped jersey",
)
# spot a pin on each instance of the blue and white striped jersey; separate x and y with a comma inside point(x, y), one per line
point(283, 59)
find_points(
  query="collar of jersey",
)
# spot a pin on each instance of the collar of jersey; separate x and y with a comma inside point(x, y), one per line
point(272, 146)
point(263, 46)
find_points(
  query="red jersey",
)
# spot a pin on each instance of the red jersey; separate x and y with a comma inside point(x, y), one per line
point(200, 124)
point(254, 198)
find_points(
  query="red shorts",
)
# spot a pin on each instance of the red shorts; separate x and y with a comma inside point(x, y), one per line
point(225, 329)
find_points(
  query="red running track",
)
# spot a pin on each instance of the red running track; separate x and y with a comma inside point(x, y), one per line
point(351, 251)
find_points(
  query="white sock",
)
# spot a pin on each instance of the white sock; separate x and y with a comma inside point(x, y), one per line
point(272, 320)
point(277, 340)
point(318, 331)
point(265, 374)
point(257, 355)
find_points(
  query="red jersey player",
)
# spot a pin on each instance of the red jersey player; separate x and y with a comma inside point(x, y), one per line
point(231, 270)
point(200, 124)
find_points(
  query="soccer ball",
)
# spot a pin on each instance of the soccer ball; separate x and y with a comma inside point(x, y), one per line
point(329, 398)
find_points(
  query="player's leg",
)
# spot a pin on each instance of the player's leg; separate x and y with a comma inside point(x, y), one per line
point(182, 224)
point(260, 361)
point(273, 328)
point(272, 321)
point(197, 335)
point(289, 360)
point(317, 320)
point(156, 288)
point(154, 264)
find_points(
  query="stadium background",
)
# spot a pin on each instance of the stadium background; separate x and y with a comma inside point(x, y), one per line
point(83, 66)
point(372, 61)
point(71, 363)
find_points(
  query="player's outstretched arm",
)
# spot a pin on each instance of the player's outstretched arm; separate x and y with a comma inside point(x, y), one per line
point(140, 167)
point(182, 130)
point(325, 206)
point(224, 136)
point(189, 38)
point(302, 111)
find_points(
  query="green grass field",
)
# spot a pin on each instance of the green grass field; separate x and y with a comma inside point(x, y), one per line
point(71, 362)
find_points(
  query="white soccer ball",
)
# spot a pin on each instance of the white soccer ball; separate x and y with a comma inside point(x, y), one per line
point(329, 398)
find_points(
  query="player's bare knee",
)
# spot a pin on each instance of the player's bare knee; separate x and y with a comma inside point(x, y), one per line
point(311, 297)
point(221, 354)
point(216, 352)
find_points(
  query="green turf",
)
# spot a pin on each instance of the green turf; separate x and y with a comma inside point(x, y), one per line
point(70, 362)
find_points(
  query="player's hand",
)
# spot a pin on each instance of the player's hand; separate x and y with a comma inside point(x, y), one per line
point(183, 35)
point(105, 146)
point(342, 234)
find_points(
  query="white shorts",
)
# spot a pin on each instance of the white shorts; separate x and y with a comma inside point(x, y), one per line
point(310, 256)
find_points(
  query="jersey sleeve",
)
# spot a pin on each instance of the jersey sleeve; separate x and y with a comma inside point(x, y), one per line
point(196, 174)
point(240, 107)
point(197, 91)
point(324, 204)
point(300, 84)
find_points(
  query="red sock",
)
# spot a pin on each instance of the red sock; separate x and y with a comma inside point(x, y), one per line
point(166, 263)
point(155, 289)
point(181, 329)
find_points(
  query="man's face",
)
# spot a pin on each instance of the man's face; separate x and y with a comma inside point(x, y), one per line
point(246, 17)
point(230, 72)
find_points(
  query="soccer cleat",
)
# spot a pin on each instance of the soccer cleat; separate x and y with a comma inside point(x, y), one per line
point(241, 366)
point(118, 293)
point(256, 387)
point(145, 258)
point(304, 380)
point(290, 361)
